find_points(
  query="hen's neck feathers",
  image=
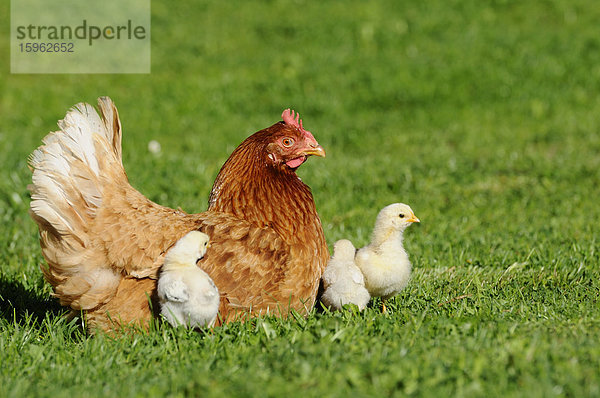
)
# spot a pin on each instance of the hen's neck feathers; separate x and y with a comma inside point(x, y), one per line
point(251, 187)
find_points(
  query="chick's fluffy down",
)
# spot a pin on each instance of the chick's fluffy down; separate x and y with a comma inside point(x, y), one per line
point(342, 280)
point(187, 295)
point(384, 262)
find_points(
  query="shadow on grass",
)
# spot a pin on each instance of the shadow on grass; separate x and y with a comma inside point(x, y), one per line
point(18, 303)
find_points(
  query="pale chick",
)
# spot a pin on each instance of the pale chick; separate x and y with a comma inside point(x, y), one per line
point(384, 262)
point(342, 280)
point(188, 296)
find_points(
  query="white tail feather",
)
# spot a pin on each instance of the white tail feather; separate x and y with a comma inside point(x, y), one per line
point(66, 193)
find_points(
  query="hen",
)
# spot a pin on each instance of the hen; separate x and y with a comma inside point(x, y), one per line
point(104, 242)
point(187, 295)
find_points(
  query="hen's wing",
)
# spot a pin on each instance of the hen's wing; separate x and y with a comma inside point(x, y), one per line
point(247, 264)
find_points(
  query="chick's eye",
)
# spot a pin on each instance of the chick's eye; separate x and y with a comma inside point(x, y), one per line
point(401, 215)
point(287, 142)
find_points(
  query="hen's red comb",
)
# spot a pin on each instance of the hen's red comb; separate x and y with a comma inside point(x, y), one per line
point(293, 119)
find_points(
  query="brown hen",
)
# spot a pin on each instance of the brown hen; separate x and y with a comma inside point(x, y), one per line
point(104, 242)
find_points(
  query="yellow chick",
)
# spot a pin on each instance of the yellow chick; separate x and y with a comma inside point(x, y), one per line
point(342, 280)
point(384, 263)
point(187, 295)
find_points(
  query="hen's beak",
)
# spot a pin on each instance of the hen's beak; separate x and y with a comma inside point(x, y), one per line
point(316, 150)
point(413, 218)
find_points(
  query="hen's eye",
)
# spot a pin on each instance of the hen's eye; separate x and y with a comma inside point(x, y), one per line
point(287, 142)
point(401, 215)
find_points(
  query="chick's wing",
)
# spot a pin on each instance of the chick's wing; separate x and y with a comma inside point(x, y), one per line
point(176, 291)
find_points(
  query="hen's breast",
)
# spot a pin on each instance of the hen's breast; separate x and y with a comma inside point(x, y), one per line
point(280, 208)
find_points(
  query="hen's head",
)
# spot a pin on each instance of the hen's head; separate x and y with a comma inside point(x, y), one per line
point(287, 144)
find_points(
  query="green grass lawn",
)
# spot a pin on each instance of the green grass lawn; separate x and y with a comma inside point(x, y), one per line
point(484, 116)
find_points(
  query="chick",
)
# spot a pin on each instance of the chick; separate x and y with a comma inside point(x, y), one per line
point(342, 280)
point(187, 294)
point(384, 263)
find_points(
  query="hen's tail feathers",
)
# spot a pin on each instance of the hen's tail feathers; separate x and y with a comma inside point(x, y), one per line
point(70, 172)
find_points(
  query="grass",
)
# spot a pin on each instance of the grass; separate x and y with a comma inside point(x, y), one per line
point(483, 116)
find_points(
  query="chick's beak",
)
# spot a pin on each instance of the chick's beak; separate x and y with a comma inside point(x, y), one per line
point(413, 218)
point(314, 149)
